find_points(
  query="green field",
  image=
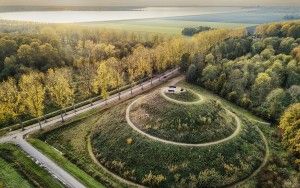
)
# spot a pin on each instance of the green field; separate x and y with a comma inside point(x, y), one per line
point(18, 170)
point(160, 25)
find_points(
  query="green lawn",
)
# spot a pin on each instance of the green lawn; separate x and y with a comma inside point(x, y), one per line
point(18, 170)
point(9, 177)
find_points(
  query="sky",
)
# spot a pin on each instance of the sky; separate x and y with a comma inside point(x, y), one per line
point(151, 2)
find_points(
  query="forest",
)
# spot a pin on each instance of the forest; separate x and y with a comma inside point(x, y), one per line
point(46, 68)
point(260, 73)
point(51, 67)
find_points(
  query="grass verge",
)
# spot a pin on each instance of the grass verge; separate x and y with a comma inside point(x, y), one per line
point(65, 164)
point(21, 171)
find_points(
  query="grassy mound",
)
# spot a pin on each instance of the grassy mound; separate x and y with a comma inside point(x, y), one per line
point(205, 122)
point(134, 157)
point(157, 164)
point(186, 96)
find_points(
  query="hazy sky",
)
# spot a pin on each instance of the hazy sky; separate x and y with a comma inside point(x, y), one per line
point(153, 2)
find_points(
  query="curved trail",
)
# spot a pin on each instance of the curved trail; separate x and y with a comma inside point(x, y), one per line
point(235, 133)
point(265, 160)
point(163, 94)
point(119, 178)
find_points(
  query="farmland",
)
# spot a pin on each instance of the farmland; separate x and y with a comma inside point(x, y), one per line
point(164, 26)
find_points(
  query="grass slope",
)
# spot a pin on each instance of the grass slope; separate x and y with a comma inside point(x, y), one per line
point(18, 170)
point(122, 151)
point(279, 169)
point(153, 163)
point(198, 123)
point(186, 96)
point(173, 165)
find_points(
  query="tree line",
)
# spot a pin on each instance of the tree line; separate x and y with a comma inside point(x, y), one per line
point(260, 73)
point(191, 31)
point(67, 64)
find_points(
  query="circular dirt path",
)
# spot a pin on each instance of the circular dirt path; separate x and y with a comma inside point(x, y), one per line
point(163, 94)
point(237, 131)
point(234, 134)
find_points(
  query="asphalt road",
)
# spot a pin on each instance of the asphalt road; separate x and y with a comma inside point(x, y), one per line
point(17, 137)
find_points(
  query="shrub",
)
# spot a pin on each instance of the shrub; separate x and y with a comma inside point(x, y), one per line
point(151, 179)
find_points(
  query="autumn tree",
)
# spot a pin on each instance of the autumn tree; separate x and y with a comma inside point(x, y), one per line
point(84, 79)
point(261, 87)
point(290, 125)
point(139, 64)
point(117, 73)
point(160, 59)
point(104, 79)
point(33, 94)
point(59, 87)
point(296, 53)
point(276, 101)
point(102, 51)
point(11, 102)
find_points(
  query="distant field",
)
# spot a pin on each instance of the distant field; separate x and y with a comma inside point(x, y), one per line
point(160, 25)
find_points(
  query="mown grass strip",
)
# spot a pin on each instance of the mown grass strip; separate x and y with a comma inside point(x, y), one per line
point(9, 177)
point(25, 167)
point(65, 164)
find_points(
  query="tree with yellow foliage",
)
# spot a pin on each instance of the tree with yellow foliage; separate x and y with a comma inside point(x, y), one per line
point(290, 124)
point(202, 42)
point(117, 73)
point(11, 103)
point(104, 79)
point(130, 74)
point(142, 62)
point(85, 76)
point(58, 85)
point(33, 94)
